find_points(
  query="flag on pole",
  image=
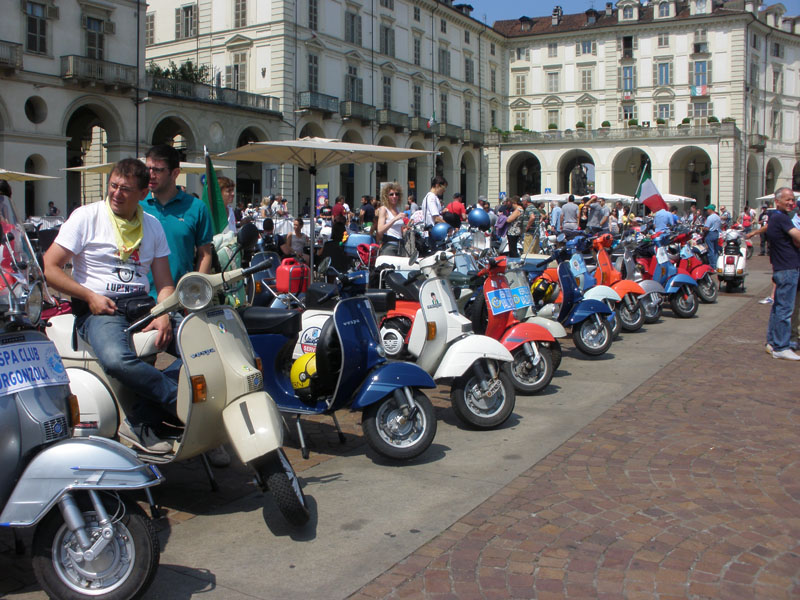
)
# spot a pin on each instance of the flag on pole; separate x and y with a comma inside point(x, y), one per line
point(432, 120)
point(213, 197)
point(648, 193)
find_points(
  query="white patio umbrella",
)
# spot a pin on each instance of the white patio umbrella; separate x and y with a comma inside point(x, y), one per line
point(186, 167)
point(772, 197)
point(18, 176)
point(668, 198)
point(313, 153)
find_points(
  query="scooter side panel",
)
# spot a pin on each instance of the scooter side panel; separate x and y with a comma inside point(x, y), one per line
point(525, 332)
point(585, 309)
point(601, 292)
point(462, 354)
point(74, 464)
point(675, 283)
point(96, 403)
point(254, 426)
point(387, 378)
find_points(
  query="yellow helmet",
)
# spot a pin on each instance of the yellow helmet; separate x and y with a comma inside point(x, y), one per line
point(543, 291)
point(303, 369)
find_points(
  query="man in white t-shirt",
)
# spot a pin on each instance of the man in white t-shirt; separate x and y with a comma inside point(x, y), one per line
point(431, 204)
point(113, 245)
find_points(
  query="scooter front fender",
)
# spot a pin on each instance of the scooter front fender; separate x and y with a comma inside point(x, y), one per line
point(73, 465)
point(675, 283)
point(525, 332)
point(555, 328)
point(650, 286)
point(626, 286)
point(462, 354)
point(254, 425)
point(602, 293)
point(388, 377)
point(585, 309)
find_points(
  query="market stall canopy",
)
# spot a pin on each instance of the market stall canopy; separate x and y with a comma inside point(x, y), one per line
point(669, 198)
point(549, 197)
point(186, 167)
point(772, 197)
point(17, 176)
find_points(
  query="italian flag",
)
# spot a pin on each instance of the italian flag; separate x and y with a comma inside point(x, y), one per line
point(648, 193)
point(213, 197)
point(432, 120)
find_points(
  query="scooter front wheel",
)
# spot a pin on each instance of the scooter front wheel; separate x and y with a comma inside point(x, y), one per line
point(591, 337)
point(707, 289)
point(123, 569)
point(652, 308)
point(390, 431)
point(613, 319)
point(479, 409)
point(630, 319)
point(684, 302)
point(527, 377)
point(277, 475)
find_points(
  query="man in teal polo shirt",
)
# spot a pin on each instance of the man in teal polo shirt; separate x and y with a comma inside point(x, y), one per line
point(185, 219)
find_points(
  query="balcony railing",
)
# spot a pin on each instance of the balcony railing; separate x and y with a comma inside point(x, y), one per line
point(450, 131)
point(90, 70)
point(420, 124)
point(556, 136)
point(392, 118)
point(10, 55)
point(473, 137)
point(356, 110)
point(317, 101)
point(757, 141)
point(217, 95)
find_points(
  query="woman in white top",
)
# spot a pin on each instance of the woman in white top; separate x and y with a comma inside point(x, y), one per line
point(390, 220)
point(297, 242)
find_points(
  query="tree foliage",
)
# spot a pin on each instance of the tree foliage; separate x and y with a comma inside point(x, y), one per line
point(188, 71)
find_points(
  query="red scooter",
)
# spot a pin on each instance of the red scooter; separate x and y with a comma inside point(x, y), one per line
point(701, 271)
point(629, 311)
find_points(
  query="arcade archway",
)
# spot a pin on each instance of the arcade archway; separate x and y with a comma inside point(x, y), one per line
point(576, 173)
point(524, 174)
point(627, 169)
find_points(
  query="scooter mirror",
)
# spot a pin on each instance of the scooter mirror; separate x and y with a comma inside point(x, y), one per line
point(247, 236)
point(324, 265)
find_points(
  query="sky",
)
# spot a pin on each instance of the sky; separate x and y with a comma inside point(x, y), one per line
point(497, 10)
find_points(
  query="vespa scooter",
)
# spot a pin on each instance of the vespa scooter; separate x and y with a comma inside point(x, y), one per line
point(220, 381)
point(732, 261)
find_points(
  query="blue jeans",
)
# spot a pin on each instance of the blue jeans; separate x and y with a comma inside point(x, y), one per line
point(780, 317)
point(712, 243)
point(106, 334)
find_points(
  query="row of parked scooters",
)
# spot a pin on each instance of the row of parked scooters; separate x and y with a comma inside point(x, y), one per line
point(372, 339)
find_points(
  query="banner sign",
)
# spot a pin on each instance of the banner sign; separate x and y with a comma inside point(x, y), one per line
point(522, 296)
point(500, 301)
point(30, 365)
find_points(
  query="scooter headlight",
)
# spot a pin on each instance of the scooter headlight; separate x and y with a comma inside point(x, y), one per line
point(194, 292)
point(33, 303)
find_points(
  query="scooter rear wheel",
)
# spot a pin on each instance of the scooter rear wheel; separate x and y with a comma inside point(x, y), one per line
point(124, 568)
point(527, 377)
point(277, 475)
point(473, 408)
point(707, 289)
point(392, 435)
point(591, 338)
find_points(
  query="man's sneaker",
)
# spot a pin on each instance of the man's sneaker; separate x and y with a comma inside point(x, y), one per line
point(143, 438)
point(787, 354)
point(768, 348)
point(219, 457)
point(767, 300)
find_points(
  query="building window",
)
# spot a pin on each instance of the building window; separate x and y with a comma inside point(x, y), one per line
point(777, 81)
point(754, 75)
point(313, 14)
point(150, 29)
point(467, 114)
point(663, 40)
point(664, 111)
point(185, 22)
point(701, 73)
point(663, 9)
point(387, 92)
point(523, 54)
point(554, 118)
point(628, 46)
point(443, 105)
point(353, 86)
point(776, 124)
point(388, 4)
point(466, 36)
point(628, 79)
point(417, 16)
point(444, 61)
point(240, 13)
point(491, 48)
point(417, 51)
point(236, 72)
point(520, 120)
point(443, 26)
point(755, 42)
point(587, 116)
point(552, 49)
point(493, 80)
point(417, 107)
point(352, 28)
point(552, 81)
point(663, 73)
point(627, 112)
point(387, 40)
point(586, 79)
point(585, 47)
point(95, 40)
point(493, 118)
point(699, 111)
point(36, 15)
point(627, 13)
point(520, 85)
point(469, 70)
point(313, 72)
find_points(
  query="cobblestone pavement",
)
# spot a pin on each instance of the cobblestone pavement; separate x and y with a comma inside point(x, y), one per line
point(688, 487)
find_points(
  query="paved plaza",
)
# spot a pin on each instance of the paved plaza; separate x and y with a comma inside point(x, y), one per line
point(667, 469)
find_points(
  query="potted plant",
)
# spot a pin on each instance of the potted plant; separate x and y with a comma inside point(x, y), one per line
point(661, 123)
point(552, 126)
point(728, 120)
point(580, 125)
point(605, 125)
point(685, 122)
point(633, 123)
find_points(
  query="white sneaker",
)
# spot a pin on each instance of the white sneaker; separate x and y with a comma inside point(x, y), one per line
point(219, 457)
point(767, 300)
point(143, 438)
point(768, 348)
point(787, 354)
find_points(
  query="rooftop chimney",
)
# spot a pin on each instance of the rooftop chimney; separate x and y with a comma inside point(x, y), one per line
point(609, 9)
point(557, 13)
point(464, 8)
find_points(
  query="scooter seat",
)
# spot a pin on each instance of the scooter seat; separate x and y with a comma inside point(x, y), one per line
point(319, 290)
point(278, 321)
point(60, 332)
point(401, 286)
point(382, 300)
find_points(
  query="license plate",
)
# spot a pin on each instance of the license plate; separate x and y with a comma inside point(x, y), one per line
point(494, 387)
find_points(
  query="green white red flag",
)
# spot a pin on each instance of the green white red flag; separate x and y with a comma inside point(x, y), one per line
point(648, 193)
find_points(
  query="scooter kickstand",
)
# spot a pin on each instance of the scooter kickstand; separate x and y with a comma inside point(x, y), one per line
point(211, 479)
point(342, 439)
point(154, 513)
point(303, 447)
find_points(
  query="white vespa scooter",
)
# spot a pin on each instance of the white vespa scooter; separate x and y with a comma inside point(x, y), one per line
point(442, 342)
point(220, 388)
point(732, 261)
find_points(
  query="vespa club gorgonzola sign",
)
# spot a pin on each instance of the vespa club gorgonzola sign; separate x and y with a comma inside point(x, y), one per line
point(29, 365)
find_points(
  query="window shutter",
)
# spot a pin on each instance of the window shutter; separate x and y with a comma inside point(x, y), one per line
point(710, 108)
point(228, 76)
point(594, 48)
point(619, 78)
point(243, 74)
point(635, 71)
point(109, 27)
point(194, 21)
point(177, 23)
point(691, 72)
point(655, 112)
point(655, 74)
point(359, 90)
point(636, 42)
point(619, 44)
point(708, 72)
point(635, 111)
point(577, 48)
point(619, 113)
point(52, 12)
point(391, 42)
point(690, 111)
point(358, 30)
point(84, 21)
point(348, 27)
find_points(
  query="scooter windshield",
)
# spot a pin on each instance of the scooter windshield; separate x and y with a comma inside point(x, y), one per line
point(17, 258)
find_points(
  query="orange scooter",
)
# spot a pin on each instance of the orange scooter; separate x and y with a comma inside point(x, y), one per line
point(629, 311)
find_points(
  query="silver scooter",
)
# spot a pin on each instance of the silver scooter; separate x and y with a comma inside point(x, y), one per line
point(89, 540)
